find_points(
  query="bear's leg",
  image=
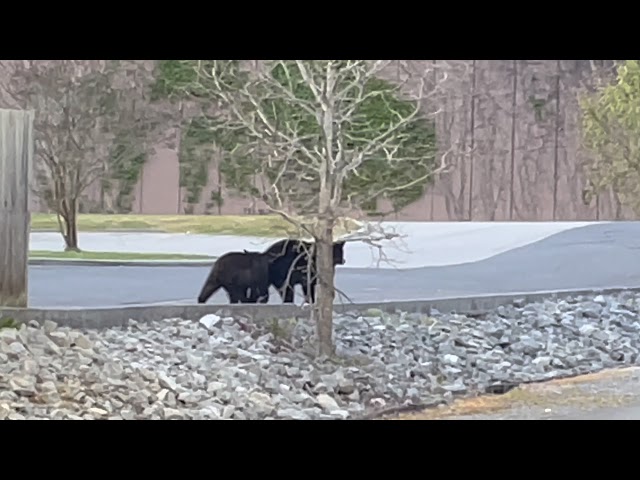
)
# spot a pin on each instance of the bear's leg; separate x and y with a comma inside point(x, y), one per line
point(288, 293)
point(263, 293)
point(236, 294)
point(260, 293)
point(312, 291)
point(309, 289)
point(253, 295)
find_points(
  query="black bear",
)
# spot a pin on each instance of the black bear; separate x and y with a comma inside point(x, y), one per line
point(238, 272)
point(289, 265)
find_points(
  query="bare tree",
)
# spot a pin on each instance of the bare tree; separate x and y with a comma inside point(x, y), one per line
point(92, 118)
point(322, 138)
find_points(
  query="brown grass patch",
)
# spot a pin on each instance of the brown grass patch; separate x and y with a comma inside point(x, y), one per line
point(573, 391)
point(592, 377)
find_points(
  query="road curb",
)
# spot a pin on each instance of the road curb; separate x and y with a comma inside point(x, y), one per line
point(97, 318)
point(120, 263)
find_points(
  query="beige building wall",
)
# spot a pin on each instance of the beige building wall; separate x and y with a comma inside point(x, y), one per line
point(515, 128)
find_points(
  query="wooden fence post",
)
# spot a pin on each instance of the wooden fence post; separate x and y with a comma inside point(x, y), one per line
point(16, 154)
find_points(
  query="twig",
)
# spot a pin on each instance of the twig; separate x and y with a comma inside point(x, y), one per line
point(399, 409)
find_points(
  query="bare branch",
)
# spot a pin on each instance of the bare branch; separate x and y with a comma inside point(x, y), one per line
point(310, 138)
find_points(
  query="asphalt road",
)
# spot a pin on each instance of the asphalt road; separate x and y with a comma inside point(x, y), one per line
point(620, 413)
point(423, 244)
point(594, 256)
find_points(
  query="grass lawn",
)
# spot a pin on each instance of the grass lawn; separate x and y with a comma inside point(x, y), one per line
point(118, 256)
point(249, 225)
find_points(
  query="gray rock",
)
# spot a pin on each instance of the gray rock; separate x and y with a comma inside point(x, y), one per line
point(343, 414)
point(292, 414)
point(5, 411)
point(8, 335)
point(153, 370)
point(544, 321)
point(228, 412)
point(128, 414)
point(167, 382)
point(210, 321)
point(49, 326)
point(23, 386)
point(113, 370)
point(59, 338)
point(51, 347)
point(458, 387)
point(148, 375)
point(519, 302)
point(214, 387)
point(449, 359)
point(542, 362)
point(210, 413)
point(97, 412)
point(600, 299)
point(13, 350)
point(83, 342)
point(172, 414)
point(327, 402)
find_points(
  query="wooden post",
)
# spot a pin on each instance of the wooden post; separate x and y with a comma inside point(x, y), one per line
point(16, 154)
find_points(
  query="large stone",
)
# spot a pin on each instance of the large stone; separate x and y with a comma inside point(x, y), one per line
point(214, 387)
point(97, 412)
point(167, 382)
point(113, 370)
point(5, 411)
point(13, 350)
point(327, 402)
point(210, 412)
point(342, 414)
point(49, 326)
point(8, 335)
point(172, 414)
point(292, 414)
point(83, 342)
point(228, 412)
point(23, 385)
point(450, 359)
point(210, 321)
point(61, 339)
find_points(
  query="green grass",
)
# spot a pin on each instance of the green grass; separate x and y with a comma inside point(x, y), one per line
point(118, 256)
point(7, 322)
point(249, 225)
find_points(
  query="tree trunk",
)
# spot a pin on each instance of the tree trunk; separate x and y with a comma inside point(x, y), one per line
point(70, 234)
point(326, 292)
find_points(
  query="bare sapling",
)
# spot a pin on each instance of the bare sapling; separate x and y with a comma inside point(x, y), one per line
point(316, 141)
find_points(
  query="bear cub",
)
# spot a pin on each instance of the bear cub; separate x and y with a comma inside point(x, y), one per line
point(289, 266)
point(239, 273)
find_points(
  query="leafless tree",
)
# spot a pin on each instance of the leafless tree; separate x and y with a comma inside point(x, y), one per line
point(316, 139)
point(92, 117)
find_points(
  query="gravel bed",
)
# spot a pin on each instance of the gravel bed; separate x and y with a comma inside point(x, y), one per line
point(234, 368)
